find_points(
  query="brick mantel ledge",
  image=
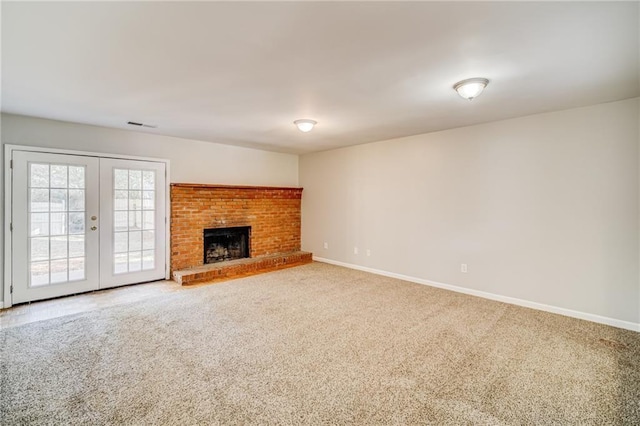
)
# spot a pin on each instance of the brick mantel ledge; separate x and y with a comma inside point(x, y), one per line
point(216, 186)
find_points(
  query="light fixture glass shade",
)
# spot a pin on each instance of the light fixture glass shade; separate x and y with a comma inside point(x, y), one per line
point(471, 87)
point(305, 125)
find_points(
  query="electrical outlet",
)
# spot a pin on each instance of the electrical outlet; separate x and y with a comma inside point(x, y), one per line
point(326, 246)
point(368, 252)
point(463, 268)
point(355, 250)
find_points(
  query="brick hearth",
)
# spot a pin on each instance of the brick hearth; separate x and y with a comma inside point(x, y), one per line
point(274, 215)
point(240, 267)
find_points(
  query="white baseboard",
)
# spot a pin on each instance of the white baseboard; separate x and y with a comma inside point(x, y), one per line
point(627, 325)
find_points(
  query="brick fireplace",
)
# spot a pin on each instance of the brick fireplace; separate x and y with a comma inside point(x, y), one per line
point(272, 214)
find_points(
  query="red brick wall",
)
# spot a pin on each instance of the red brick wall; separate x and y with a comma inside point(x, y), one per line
point(272, 213)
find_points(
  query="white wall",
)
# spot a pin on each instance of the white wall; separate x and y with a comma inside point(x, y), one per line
point(543, 208)
point(191, 161)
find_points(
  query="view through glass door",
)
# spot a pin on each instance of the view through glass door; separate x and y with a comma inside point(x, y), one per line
point(82, 223)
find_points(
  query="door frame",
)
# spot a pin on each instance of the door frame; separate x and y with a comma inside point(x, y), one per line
point(8, 204)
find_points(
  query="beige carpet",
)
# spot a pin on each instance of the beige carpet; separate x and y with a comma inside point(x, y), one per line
point(318, 344)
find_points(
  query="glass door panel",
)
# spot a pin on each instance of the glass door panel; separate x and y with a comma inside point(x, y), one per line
point(134, 212)
point(57, 214)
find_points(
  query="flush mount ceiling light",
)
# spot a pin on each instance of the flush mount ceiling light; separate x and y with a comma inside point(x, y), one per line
point(471, 87)
point(305, 125)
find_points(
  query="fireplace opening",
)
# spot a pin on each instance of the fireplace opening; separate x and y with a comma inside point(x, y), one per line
point(222, 244)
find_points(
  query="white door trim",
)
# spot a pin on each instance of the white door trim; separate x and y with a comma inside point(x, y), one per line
point(8, 207)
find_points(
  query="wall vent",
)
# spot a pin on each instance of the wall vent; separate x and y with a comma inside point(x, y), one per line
point(135, 123)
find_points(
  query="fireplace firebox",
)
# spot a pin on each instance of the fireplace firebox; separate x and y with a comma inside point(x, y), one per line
point(221, 244)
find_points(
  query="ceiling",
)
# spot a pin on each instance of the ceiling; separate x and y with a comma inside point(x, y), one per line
point(241, 73)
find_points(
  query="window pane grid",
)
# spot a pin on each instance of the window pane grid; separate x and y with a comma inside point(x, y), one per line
point(53, 191)
point(134, 224)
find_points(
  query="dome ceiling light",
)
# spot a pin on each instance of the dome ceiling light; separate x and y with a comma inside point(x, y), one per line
point(305, 125)
point(471, 87)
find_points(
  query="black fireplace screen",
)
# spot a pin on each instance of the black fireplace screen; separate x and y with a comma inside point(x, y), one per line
point(222, 244)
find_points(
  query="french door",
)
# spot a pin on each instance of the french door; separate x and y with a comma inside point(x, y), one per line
point(83, 223)
point(132, 235)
